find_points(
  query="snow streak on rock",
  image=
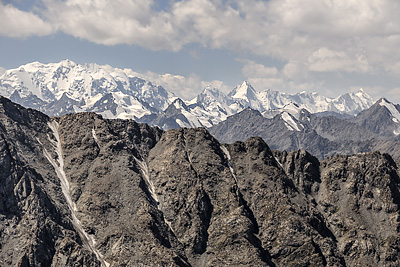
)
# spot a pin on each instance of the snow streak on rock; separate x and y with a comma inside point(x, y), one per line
point(95, 136)
point(58, 165)
point(144, 169)
point(150, 186)
point(228, 156)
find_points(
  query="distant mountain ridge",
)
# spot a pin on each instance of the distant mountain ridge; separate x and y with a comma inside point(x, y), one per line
point(67, 87)
point(291, 128)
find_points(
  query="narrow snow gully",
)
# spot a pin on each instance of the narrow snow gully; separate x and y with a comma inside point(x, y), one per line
point(58, 165)
point(144, 169)
point(95, 137)
point(228, 157)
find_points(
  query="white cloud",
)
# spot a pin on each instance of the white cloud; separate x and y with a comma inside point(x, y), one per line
point(266, 83)
point(17, 23)
point(253, 69)
point(293, 70)
point(310, 36)
point(114, 22)
point(393, 95)
point(325, 60)
point(327, 35)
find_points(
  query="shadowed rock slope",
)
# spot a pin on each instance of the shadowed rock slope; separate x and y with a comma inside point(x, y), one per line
point(80, 190)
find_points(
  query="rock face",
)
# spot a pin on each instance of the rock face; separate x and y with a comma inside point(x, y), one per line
point(358, 197)
point(80, 190)
point(36, 227)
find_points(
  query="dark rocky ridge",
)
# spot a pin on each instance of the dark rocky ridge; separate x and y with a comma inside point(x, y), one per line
point(180, 198)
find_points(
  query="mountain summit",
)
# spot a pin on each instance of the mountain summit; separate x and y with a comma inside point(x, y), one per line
point(66, 87)
point(88, 87)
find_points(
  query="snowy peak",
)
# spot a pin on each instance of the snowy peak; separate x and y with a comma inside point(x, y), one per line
point(66, 63)
point(132, 97)
point(291, 114)
point(209, 95)
point(382, 118)
point(211, 91)
point(362, 94)
point(291, 108)
point(179, 104)
point(352, 103)
point(244, 91)
point(246, 96)
point(66, 86)
point(182, 114)
point(394, 112)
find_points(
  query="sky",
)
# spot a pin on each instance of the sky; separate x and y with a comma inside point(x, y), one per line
point(325, 46)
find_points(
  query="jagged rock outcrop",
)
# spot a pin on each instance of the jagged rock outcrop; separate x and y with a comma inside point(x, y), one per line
point(358, 197)
point(80, 190)
point(35, 224)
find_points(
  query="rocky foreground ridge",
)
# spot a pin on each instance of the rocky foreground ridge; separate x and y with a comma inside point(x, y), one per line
point(80, 190)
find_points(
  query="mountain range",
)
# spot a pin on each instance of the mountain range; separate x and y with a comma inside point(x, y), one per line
point(351, 123)
point(82, 190)
point(66, 87)
point(291, 127)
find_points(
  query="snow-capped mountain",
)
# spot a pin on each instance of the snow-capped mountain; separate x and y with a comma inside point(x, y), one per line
point(382, 118)
point(207, 109)
point(65, 87)
point(247, 96)
point(350, 103)
point(374, 129)
point(114, 93)
point(269, 100)
point(213, 106)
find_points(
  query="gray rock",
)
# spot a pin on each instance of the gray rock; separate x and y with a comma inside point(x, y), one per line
point(80, 190)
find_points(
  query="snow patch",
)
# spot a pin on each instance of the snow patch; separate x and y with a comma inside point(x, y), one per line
point(277, 160)
point(290, 122)
point(26, 82)
point(392, 109)
point(95, 137)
